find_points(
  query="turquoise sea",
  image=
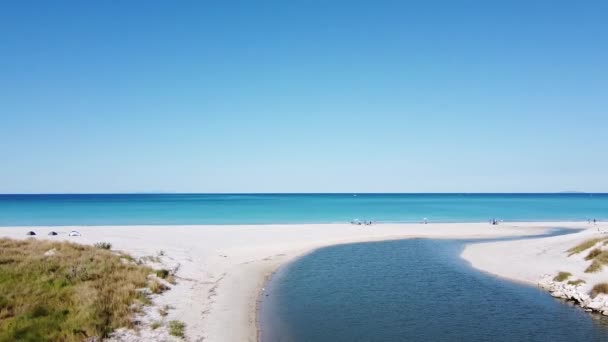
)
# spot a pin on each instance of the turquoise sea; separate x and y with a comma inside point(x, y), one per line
point(135, 209)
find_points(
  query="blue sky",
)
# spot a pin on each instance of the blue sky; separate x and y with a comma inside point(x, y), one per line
point(308, 96)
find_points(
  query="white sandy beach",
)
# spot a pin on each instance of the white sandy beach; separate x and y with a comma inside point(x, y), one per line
point(222, 269)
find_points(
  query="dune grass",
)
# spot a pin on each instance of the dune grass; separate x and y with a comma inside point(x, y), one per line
point(601, 288)
point(576, 282)
point(561, 276)
point(593, 253)
point(599, 261)
point(583, 246)
point(72, 294)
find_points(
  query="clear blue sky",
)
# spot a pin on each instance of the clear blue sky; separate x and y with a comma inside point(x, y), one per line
point(279, 96)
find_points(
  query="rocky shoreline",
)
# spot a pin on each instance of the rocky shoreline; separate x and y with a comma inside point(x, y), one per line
point(574, 293)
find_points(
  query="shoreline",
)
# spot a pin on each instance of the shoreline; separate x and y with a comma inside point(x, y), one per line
point(223, 268)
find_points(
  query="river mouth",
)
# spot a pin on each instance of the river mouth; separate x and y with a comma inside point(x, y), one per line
point(414, 290)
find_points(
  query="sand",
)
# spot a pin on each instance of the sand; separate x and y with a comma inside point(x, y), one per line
point(222, 269)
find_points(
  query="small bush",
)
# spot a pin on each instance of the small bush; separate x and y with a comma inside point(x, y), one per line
point(155, 325)
point(576, 282)
point(601, 288)
point(103, 245)
point(176, 328)
point(561, 276)
point(583, 246)
point(162, 273)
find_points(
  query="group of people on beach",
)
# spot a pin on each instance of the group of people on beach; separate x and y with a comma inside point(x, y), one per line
point(357, 222)
point(494, 222)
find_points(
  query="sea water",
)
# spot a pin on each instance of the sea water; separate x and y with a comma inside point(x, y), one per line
point(412, 290)
point(136, 209)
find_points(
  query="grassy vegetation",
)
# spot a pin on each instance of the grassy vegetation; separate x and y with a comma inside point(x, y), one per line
point(157, 287)
point(599, 260)
point(561, 276)
point(177, 328)
point(69, 295)
point(594, 252)
point(103, 245)
point(576, 282)
point(166, 275)
point(583, 246)
point(163, 273)
point(599, 288)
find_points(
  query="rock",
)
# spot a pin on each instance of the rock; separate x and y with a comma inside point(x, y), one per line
point(558, 294)
point(50, 252)
point(595, 305)
point(605, 313)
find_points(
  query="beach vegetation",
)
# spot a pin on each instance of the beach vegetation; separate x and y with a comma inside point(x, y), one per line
point(157, 287)
point(155, 325)
point(561, 276)
point(75, 293)
point(599, 260)
point(576, 282)
point(163, 273)
point(601, 288)
point(594, 253)
point(583, 246)
point(177, 328)
point(103, 245)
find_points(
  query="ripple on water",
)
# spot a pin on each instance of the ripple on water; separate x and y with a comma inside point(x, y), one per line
point(414, 290)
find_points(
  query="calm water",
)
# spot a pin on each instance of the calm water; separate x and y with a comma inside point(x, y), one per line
point(411, 290)
point(130, 209)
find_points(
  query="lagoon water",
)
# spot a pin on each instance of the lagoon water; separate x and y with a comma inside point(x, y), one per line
point(166, 209)
point(411, 290)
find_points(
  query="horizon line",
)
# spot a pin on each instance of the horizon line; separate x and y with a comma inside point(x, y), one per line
point(301, 193)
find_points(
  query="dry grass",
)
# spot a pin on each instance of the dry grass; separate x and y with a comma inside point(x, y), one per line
point(561, 276)
point(599, 288)
point(76, 293)
point(599, 260)
point(157, 287)
point(594, 252)
point(583, 246)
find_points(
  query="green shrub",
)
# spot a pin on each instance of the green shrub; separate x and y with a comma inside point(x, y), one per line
point(162, 273)
point(177, 328)
point(576, 282)
point(103, 245)
point(561, 276)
